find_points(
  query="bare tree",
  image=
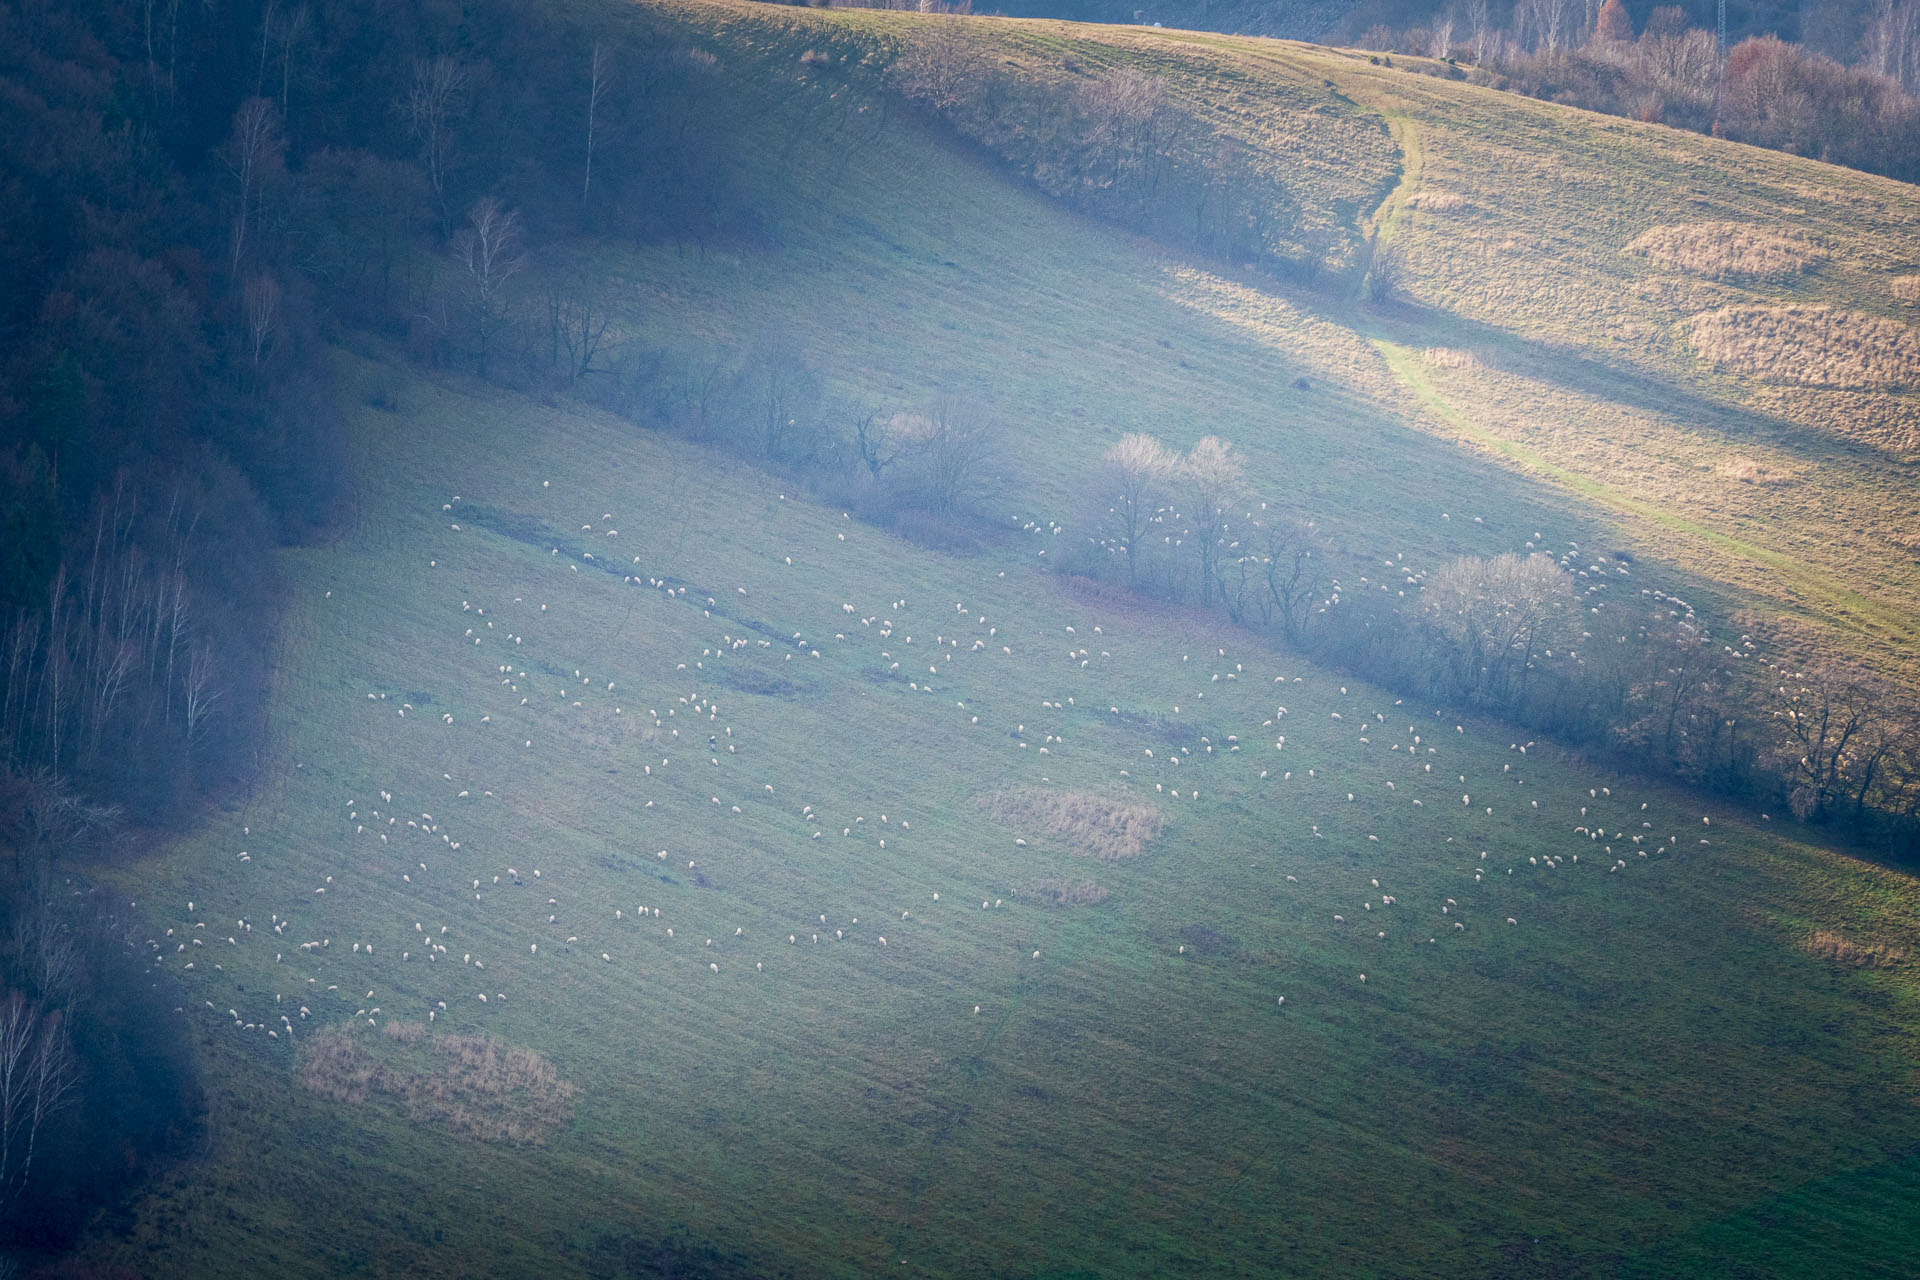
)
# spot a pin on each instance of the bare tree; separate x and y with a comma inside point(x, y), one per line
point(1293, 559)
point(1124, 110)
point(598, 81)
point(1498, 617)
point(577, 318)
point(292, 32)
point(262, 300)
point(488, 250)
point(786, 394)
point(1891, 46)
point(705, 389)
point(937, 70)
point(1831, 742)
point(1130, 498)
point(1684, 65)
point(253, 147)
point(1480, 23)
point(435, 98)
point(1211, 479)
point(201, 693)
point(876, 441)
point(37, 1077)
point(954, 445)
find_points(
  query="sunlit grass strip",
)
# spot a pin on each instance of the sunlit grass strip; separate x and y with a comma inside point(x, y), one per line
point(1855, 611)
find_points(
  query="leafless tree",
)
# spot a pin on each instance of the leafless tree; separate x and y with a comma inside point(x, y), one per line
point(37, 1078)
point(1684, 65)
point(1124, 110)
point(578, 319)
point(1553, 25)
point(262, 301)
point(876, 440)
point(1210, 478)
point(253, 148)
point(954, 445)
point(436, 96)
point(786, 391)
point(1499, 616)
point(1892, 44)
point(598, 81)
point(1130, 498)
point(488, 251)
point(201, 692)
point(707, 384)
point(1480, 23)
point(937, 70)
point(1836, 737)
point(1293, 560)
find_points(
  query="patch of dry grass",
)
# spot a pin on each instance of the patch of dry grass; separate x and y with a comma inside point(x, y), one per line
point(1439, 202)
point(1843, 950)
point(1099, 826)
point(1729, 250)
point(1745, 470)
point(1450, 358)
point(1810, 346)
point(1071, 893)
point(470, 1085)
point(1906, 289)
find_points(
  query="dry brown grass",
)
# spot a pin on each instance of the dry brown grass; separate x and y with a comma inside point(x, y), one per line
point(1071, 893)
point(1906, 289)
point(1439, 202)
point(1810, 346)
point(1450, 358)
point(1843, 950)
point(1729, 251)
point(470, 1085)
point(1099, 826)
point(1745, 470)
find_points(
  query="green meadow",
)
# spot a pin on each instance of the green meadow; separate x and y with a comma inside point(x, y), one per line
point(693, 777)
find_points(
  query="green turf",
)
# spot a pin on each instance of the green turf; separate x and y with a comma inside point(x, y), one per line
point(1646, 1072)
point(1644, 1053)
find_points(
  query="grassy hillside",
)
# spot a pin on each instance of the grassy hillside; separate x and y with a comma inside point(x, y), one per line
point(575, 673)
point(1619, 358)
point(1132, 1099)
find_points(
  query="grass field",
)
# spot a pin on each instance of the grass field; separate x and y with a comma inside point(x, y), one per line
point(1595, 1032)
point(1641, 1054)
point(1520, 232)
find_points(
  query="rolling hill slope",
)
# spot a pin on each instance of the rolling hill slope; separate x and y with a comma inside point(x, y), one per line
point(1382, 992)
point(1732, 425)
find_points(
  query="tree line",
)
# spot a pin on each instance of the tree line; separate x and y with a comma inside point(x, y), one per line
point(1564, 644)
point(1859, 111)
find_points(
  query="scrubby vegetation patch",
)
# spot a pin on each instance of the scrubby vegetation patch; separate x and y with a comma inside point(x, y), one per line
point(1729, 251)
point(470, 1085)
point(1841, 949)
point(1811, 346)
point(1099, 826)
point(1071, 893)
